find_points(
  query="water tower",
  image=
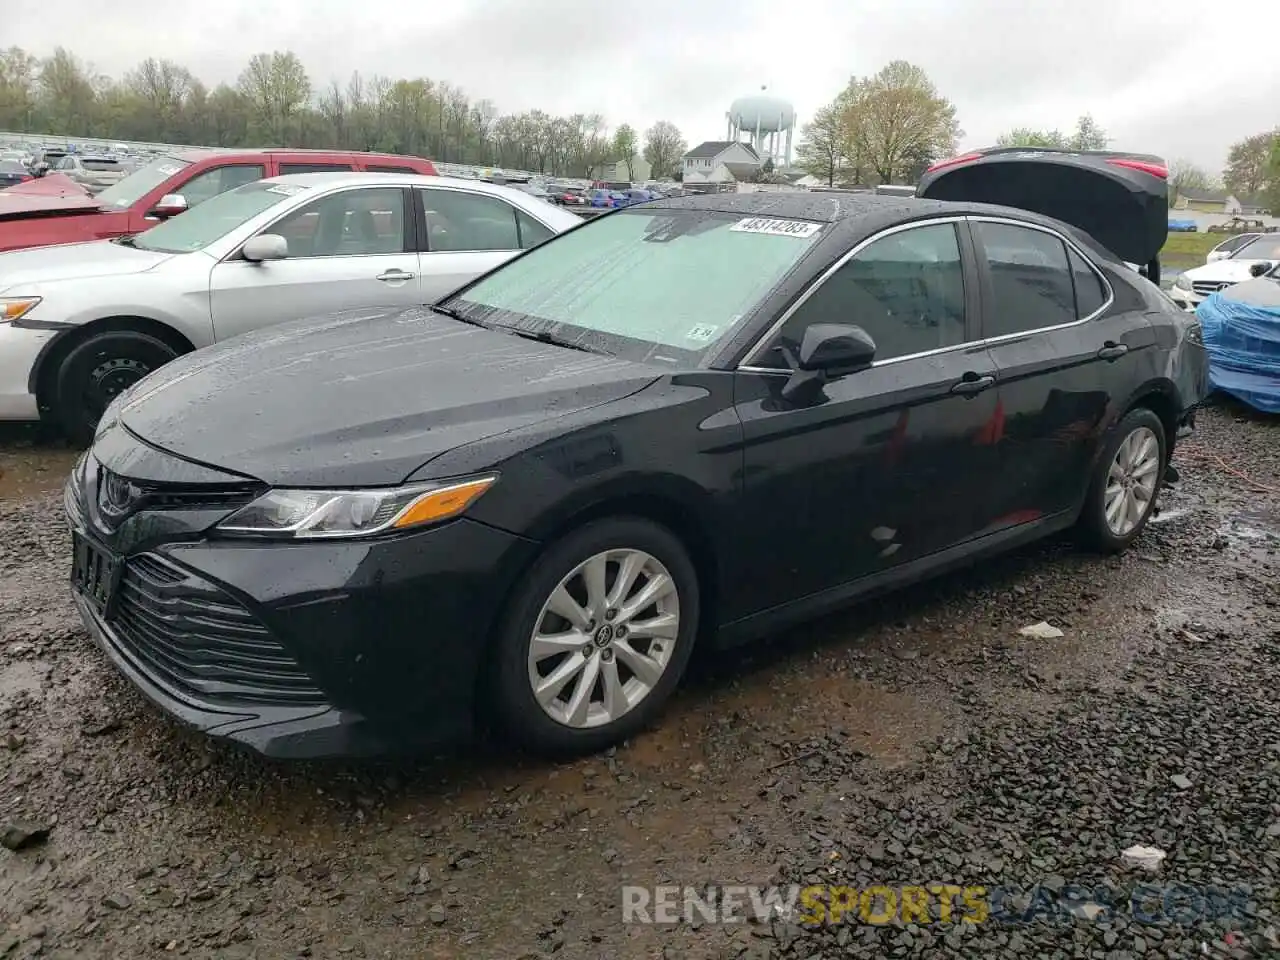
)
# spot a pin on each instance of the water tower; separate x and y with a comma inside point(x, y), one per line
point(768, 122)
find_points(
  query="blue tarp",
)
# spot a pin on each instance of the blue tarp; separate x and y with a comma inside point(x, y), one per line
point(1243, 341)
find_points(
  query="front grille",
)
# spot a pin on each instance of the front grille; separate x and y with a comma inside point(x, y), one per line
point(200, 640)
point(1206, 287)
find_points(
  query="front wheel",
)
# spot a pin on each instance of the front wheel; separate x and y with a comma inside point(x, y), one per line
point(99, 369)
point(1126, 482)
point(596, 638)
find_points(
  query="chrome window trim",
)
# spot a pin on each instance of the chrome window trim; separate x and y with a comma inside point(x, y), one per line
point(762, 342)
point(1106, 284)
point(306, 202)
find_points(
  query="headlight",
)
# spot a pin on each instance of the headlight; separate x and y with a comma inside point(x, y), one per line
point(15, 308)
point(312, 514)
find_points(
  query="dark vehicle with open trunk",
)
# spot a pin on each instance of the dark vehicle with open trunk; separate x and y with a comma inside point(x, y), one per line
point(692, 420)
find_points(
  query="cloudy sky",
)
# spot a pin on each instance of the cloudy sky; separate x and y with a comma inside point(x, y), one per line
point(1157, 77)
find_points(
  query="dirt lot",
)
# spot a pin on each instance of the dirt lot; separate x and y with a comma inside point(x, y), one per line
point(919, 740)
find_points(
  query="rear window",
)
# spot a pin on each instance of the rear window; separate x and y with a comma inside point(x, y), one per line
point(95, 163)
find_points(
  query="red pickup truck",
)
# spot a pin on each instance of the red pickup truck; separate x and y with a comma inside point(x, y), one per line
point(31, 215)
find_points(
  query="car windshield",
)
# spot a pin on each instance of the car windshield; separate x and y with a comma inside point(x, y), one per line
point(215, 218)
point(642, 284)
point(1260, 248)
point(96, 163)
point(141, 182)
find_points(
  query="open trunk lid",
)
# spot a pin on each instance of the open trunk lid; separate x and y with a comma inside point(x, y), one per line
point(1119, 199)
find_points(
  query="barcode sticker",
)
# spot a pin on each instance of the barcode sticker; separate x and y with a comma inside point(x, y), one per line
point(802, 229)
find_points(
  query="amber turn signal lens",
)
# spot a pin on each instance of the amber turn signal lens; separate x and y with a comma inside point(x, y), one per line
point(16, 308)
point(443, 503)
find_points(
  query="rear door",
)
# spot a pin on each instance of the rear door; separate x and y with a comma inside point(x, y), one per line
point(1065, 353)
point(464, 233)
point(348, 249)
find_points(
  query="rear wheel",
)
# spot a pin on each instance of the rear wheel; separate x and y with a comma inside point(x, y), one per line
point(98, 370)
point(1126, 482)
point(596, 638)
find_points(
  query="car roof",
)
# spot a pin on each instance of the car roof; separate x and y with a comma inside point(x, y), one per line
point(331, 178)
point(856, 216)
point(193, 156)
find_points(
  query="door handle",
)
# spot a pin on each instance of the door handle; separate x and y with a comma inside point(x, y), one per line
point(971, 386)
point(1113, 351)
point(393, 275)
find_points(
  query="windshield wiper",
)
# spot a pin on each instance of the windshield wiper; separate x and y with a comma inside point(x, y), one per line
point(453, 314)
point(542, 336)
point(128, 240)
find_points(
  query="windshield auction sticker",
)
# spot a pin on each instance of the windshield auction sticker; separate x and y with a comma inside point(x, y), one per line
point(778, 228)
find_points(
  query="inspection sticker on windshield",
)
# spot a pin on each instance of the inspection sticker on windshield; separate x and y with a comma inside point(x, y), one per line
point(703, 331)
point(778, 228)
point(285, 189)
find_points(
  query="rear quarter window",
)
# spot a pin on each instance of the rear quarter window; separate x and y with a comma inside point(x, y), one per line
point(1091, 291)
point(383, 168)
point(287, 168)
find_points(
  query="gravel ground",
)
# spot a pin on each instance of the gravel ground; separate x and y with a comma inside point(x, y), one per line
point(917, 740)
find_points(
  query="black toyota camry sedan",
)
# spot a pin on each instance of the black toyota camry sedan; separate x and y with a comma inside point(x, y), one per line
point(689, 422)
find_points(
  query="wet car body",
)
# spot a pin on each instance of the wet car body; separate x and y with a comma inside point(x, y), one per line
point(351, 645)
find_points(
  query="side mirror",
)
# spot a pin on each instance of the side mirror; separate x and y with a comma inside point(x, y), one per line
point(170, 205)
point(828, 351)
point(265, 246)
point(836, 349)
point(1260, 269)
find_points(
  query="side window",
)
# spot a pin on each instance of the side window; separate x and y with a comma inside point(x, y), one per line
point(67, 163)
point(204, 186)
point(352, 223)
point(287, 168)
point(1091, 292)
point(460, 220)
point(1030, 280)
point(379, 168)
point(532, 232)
point(906, 290)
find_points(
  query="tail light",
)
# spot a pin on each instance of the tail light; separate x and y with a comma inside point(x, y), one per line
point(954, 162)
point(1145, 166)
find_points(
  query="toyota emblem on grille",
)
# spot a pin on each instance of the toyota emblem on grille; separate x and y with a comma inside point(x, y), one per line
point(116, 495)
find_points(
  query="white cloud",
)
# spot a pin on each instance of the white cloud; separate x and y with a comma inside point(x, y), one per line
point(1159, 78)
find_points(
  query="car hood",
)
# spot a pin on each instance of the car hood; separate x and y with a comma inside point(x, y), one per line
point(74, 261)
point(362, 398)
point(1121, 200)
point(1221, 271)
point(46, 196)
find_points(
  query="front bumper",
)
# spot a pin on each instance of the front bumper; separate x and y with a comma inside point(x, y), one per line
point(19, 349)
point(307, 650)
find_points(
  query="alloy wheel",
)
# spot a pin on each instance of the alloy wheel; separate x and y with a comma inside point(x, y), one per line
point(1131, 481)
point(604, 638)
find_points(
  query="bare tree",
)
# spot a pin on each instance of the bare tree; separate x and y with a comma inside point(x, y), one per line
point(663, 148)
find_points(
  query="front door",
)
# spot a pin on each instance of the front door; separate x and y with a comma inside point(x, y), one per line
point(885, 466)
point(466, 233)
point(347, 250)
point(1065, 355)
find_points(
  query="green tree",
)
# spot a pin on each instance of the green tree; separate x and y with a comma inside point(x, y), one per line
point(1027, 137)
point(897, 117)
point(663, 148)
point(1248, 161)
point(821, 151)
point(276, 87)
point(625, 146)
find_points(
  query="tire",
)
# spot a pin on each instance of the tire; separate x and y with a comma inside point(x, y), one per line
point(1139, 428)
point(97, 370)
point(519, 712)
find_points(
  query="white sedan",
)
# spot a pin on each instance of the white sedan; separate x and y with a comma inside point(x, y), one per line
point(80, 322)
point(1193, 287)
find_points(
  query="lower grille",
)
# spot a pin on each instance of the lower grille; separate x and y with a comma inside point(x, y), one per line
point(200, 640)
